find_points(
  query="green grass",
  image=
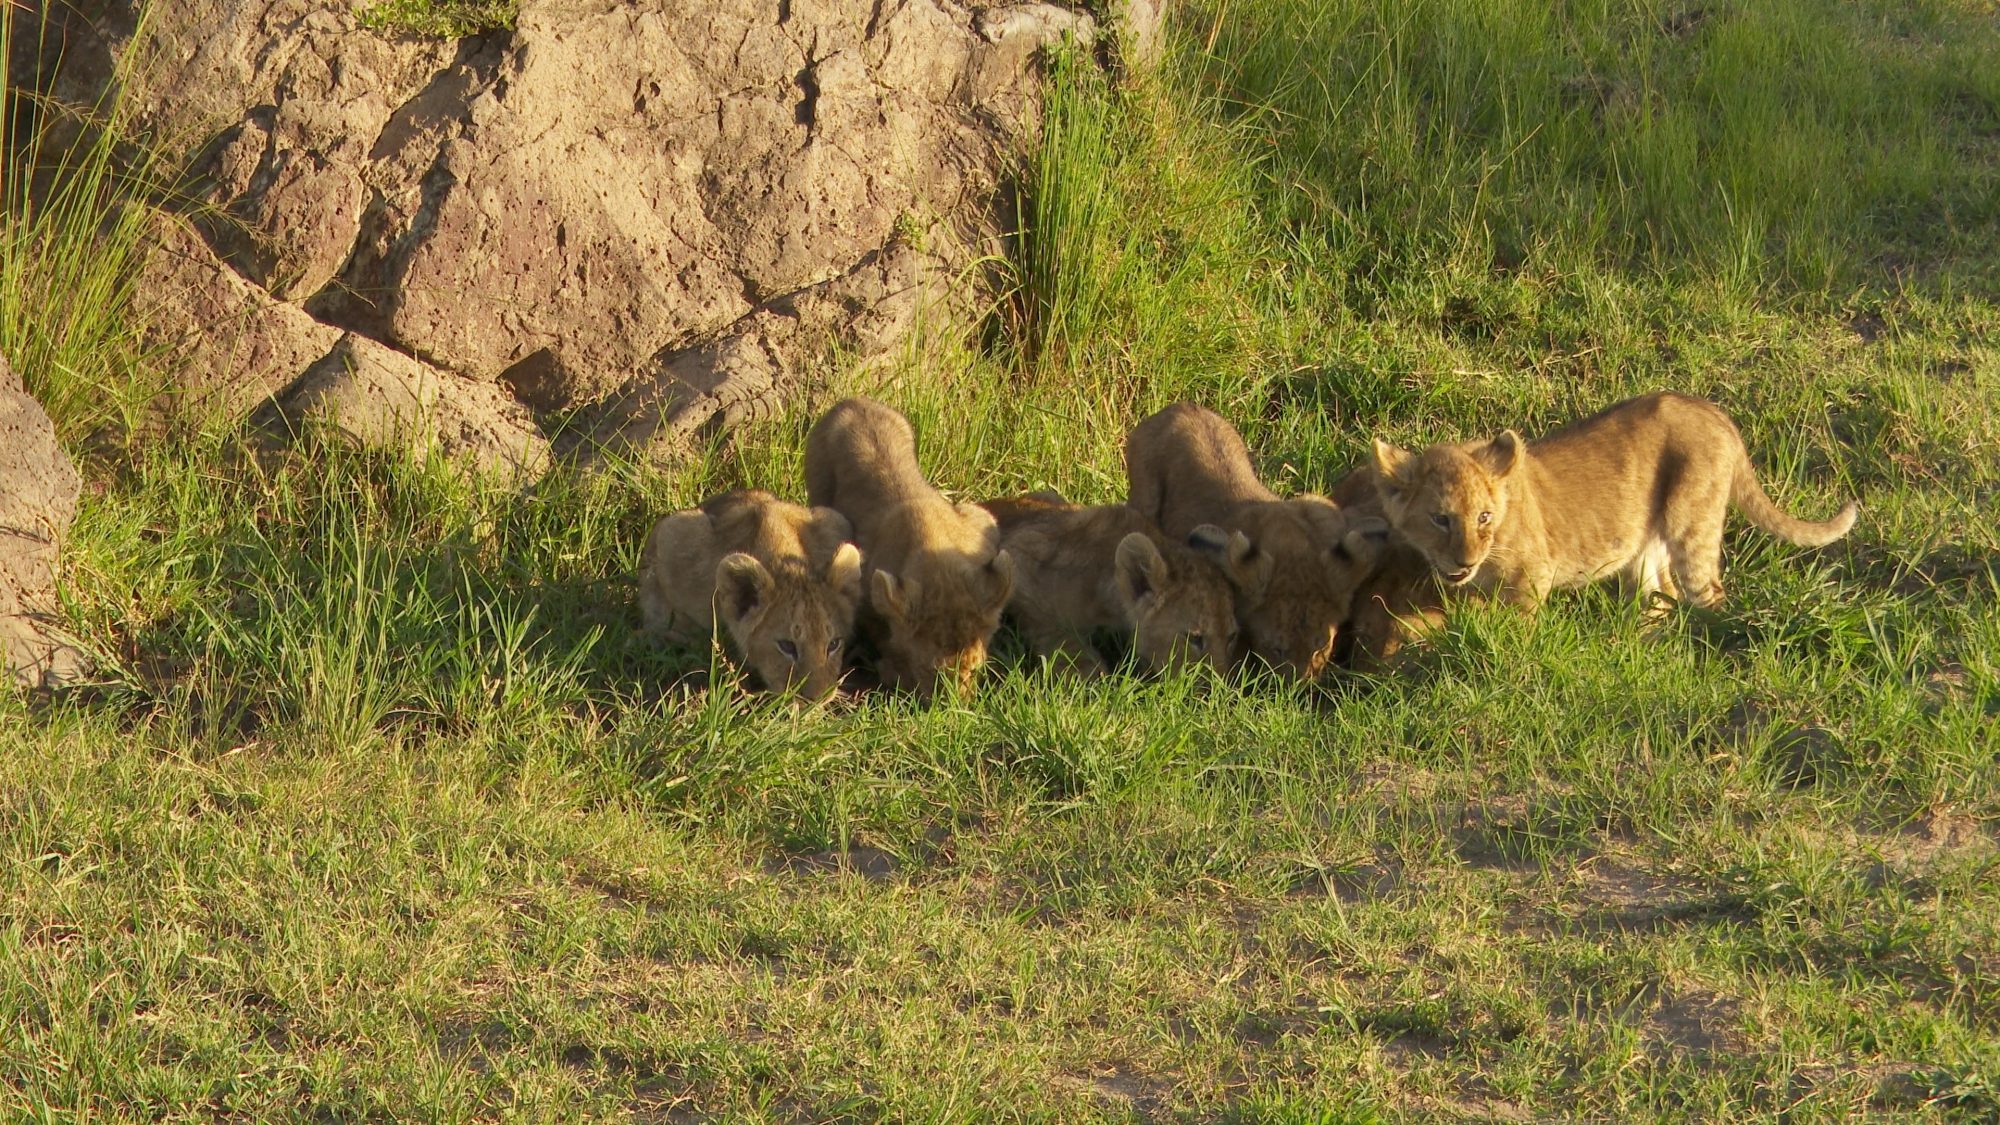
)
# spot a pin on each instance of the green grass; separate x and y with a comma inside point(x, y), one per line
point(440, 19)
point(383, 811)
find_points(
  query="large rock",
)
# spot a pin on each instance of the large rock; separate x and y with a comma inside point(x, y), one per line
point(663, 208)
point(38, 490)
point(235, 345)
point(382, 397)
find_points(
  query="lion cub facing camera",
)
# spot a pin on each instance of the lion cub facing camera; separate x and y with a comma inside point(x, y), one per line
point(1294, 563)
point(1639, 491)
point(937, 578)
point(1078, 570)
point(783, 579)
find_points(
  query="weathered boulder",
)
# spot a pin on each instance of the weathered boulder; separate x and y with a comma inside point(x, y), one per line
point(38, 490)
point(235, 344)
point(662, 209)
point(381, 397)
point(742, 372)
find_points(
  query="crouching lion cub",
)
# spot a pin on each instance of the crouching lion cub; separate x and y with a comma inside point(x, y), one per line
point(1294, 563)
point(1078, 569)
point(937, 578)
point(1401, 600)
point(1639, 491)
point(783, 579)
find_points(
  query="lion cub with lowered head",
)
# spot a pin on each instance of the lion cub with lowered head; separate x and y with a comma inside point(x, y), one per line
point(1294, 563)
point(937, 578)
point(1639, 491)
point(1078, 569)
point(783, 578)
point(1401, 600)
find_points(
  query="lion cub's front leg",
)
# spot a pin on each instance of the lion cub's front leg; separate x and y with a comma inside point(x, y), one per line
point(1525, 590)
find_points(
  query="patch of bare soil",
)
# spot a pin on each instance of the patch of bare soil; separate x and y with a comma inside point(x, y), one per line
point(872, 864)
point(1697, 1022)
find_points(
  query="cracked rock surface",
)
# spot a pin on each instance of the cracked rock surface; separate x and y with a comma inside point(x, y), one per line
point(659, 211)
point(37, 503)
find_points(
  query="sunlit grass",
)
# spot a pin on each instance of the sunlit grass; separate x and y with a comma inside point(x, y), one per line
point(440, 19)
point(383, 809)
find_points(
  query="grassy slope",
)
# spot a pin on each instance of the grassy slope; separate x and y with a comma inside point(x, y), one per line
point(384, 813)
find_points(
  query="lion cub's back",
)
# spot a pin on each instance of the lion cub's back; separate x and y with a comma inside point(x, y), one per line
point(1064, 550)
point(678, 565)
point(776, 532)
point(1186, 466)
point(1632, 442)
point(862, 456)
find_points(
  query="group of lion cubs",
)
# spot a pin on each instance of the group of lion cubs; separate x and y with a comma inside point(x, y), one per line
point(1203, 563)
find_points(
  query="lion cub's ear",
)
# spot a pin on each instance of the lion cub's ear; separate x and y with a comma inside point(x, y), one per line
point(893, 596)
point(830, 526)
point(1140, 569)
point(1247, 568)
point(843, 575)
point(1000, 581)
point(1364, 540)
point(742, 586)
point(1503, 454)
point(1390, 461)
point(980, 520)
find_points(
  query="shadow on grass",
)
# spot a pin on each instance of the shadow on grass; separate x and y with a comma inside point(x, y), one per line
point(331, 594)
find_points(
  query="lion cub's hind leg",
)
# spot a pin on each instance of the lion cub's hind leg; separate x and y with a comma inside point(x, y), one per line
point(1649, 577)
point(676, 579)
point(1694, 537)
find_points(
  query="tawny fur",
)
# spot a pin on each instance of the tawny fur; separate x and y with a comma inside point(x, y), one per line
point(1639, 492)
point(1296, 561)
point(1078, 570)
point(782, 579)
point(937, 579)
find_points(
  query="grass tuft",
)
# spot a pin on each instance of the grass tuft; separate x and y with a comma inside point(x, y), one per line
point(440, 19)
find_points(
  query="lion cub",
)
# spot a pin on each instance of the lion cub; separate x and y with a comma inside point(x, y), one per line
point(937, 578)
point(783, 579)
point(1401, 600)
point(1079, 569)
point(1294, 563)
point(1639, 491)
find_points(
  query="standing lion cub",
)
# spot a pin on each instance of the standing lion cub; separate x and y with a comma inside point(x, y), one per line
point(1639, 491)
point(783, 579)
point(937, 578)
point(1294, 563)
point(1078, 570)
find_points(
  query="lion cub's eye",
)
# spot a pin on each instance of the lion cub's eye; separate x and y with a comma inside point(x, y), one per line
point(790, 650)
point(1442, 520)
point(1485, 518)
point(833, 646)
point(1195, 640)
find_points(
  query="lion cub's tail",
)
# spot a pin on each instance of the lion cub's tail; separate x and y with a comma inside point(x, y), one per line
point(1749, 498)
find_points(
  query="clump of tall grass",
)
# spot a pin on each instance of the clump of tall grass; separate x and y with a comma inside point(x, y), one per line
point(1140, 253)
point(69, 251)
